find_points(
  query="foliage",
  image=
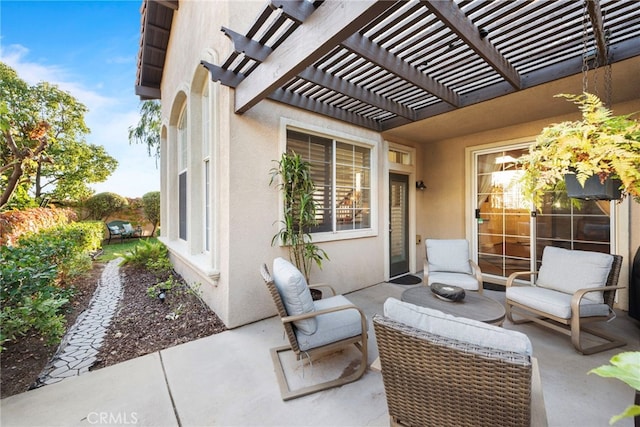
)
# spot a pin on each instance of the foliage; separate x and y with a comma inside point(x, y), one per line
point(299, 212)
point(102, 205)
point(43, 145)
point(152, 255)
point(625, 367)
point(151, 206)
point(67, 246)
point(16, 223)
point(115, 250)
point(600, 144)
point(32, 278)
point(147, 131)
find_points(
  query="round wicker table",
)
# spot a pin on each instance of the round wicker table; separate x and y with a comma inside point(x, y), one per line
point(473, 306)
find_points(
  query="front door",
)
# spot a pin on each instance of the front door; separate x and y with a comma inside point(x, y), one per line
point(398, 224)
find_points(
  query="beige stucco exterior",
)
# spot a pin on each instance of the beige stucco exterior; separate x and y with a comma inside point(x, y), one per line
point(245, 209)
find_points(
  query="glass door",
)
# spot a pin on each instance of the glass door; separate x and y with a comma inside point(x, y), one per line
point(399, 224)
point(503, 217)
point(510, 234)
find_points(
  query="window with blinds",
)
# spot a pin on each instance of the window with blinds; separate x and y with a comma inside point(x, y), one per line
point(341, 173)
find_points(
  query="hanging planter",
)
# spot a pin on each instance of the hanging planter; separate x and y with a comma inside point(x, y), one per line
point(600, 146)
point(593, 188)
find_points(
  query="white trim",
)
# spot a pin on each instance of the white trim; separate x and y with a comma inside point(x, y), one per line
point(410, 171)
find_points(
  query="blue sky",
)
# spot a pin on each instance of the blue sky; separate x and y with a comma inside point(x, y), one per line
point(89, 49)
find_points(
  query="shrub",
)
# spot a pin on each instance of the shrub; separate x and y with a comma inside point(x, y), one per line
point(68, 246)
point(32, 278)
point(102, 205)
point(151, 205)
point(15, 224)
point(150, 255)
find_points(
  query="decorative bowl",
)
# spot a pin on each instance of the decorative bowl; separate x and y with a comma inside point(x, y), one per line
point(448, 293)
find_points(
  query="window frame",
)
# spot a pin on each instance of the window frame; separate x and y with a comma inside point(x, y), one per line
point(339, 137)
point(183, 167)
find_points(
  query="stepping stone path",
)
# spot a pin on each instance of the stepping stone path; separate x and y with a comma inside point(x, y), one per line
point(79, 347)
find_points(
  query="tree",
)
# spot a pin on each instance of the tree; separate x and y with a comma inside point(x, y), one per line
point(151, 206)
point(102, 205)
point(44, 147)
point(23, 136)
point(147, 131)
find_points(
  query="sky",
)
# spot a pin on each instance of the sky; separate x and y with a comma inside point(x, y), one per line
point(89, 49)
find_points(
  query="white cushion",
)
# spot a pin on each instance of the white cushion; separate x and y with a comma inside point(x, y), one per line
point(553, 302)
point(458, 328)
point(448, 255)
point(114, 229)
point(127, 227)
point(567, 271)
point(295, 294)
point(332, 327)
point(465, 281)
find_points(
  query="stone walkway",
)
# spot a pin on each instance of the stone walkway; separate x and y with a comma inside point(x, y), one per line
point(79, 347)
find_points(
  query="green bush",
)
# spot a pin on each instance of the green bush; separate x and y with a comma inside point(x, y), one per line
point(32, 278)
point(102, 205)
point(153, 256)
point(151, 206)
point(68, 246)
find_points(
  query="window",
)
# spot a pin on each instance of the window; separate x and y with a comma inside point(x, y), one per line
point(206, 129)
point(341, 172)
point(182, 175)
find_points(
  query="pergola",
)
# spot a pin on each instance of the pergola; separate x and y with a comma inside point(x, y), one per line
point(384, 64)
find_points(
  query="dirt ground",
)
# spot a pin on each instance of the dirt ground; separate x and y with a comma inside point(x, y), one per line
point(143, 324)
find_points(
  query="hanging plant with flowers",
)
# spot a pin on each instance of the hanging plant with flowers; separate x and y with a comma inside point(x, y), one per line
point(600, 144)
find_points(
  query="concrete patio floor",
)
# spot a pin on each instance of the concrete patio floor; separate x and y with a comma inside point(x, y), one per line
point(228, 380)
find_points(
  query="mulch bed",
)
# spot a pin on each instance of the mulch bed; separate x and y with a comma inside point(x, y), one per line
point(142, 325)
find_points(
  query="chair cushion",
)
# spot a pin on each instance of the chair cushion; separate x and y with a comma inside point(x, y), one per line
point(458, 328)
point(465, 281)
point(567, 271)
point(553, 302)
point(295, 294)
point(450, 255)
point(114, 229)
point(127, 227)
point(333, 326)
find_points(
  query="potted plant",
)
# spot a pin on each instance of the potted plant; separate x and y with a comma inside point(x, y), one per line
point(293, 177)
point(600, 146)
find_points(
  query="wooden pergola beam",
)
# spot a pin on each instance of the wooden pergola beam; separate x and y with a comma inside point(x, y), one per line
point(331, 23)
point(374, 53)
point(595, 16)
point(451, 15)
point(351, 90)
point(322, 108)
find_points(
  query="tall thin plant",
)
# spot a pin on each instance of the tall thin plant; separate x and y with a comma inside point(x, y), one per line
point(292, 176)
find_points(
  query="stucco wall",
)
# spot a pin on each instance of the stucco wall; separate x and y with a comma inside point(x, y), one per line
point(247, 208)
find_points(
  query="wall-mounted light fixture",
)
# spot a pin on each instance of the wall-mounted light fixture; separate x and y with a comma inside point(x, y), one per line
point(420, 185)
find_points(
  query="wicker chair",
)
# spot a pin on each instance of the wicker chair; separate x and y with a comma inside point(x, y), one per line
point(568, 296)
point(335, 313)
point(431, 380)
point(447, 261)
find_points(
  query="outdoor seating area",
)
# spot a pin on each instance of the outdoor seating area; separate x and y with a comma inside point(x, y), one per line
point(229, 379)
point(122, 230)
